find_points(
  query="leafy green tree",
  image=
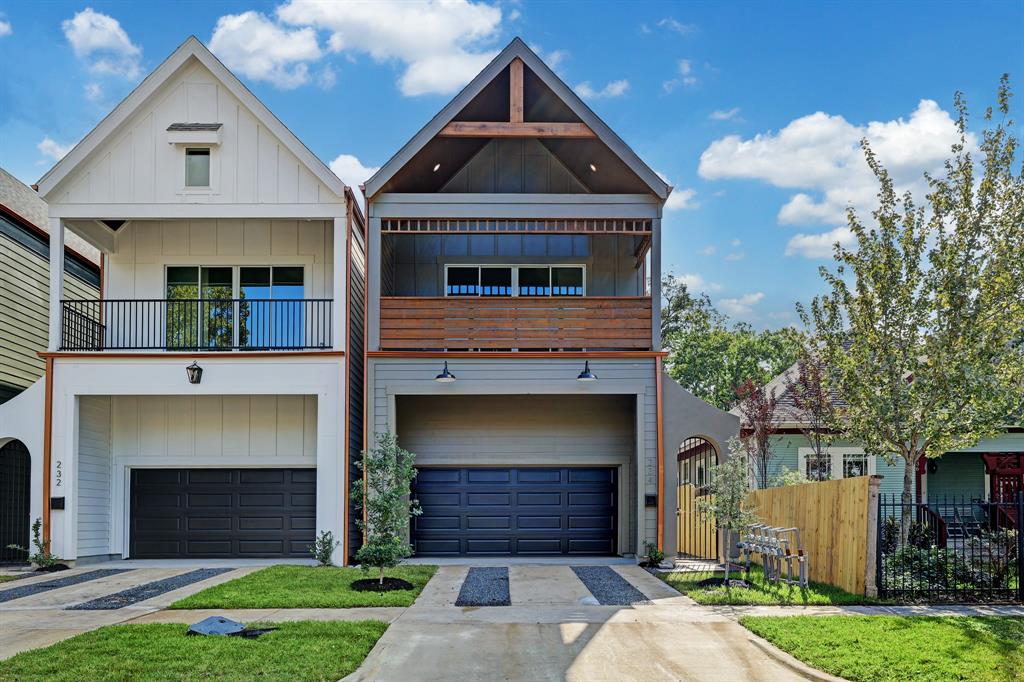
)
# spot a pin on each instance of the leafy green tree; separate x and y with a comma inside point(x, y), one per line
point(710, 358)
point(922, 329)
point(386, 496)
point(724, 505)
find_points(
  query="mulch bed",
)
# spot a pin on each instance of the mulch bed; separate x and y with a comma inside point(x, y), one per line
point(52, 569)
point(373, 585)
point(718, 582)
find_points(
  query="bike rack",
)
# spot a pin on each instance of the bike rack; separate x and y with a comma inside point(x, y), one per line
point(781, 550)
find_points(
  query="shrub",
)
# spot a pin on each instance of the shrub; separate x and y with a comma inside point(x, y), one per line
point(323, 548)
point(654, 555)
point(42, 556)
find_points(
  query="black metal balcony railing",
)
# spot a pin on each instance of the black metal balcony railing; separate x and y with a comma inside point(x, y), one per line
point(192, 325)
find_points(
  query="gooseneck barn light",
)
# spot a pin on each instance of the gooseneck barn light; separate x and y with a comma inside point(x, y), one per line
point(445, 377)
point(586, 374)
point(195, 373)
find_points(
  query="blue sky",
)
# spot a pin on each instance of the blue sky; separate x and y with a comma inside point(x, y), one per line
point(752, 111)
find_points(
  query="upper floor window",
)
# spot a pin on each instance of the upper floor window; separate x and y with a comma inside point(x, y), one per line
point(197, 167)
point(518, 280)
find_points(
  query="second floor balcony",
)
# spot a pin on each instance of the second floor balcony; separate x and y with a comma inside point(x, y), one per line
point(221, 324)
point(520, 323)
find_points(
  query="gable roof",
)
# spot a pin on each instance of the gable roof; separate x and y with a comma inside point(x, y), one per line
point(518, 49)
point(22, 201)
point(192, 48)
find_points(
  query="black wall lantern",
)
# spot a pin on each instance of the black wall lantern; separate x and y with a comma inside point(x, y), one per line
point(195, 373)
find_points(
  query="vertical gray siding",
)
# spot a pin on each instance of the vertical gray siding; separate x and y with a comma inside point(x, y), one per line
point(620, 382)
point(92, 478)
point(355, 362)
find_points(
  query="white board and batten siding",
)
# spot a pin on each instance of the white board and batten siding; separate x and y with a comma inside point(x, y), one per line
point(145, 248)
point(622, 382)
point(138, 165)
point(24, 306)
point(117, 433)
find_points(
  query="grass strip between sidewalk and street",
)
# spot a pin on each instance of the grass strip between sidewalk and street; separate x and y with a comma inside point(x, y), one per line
point(303, 650)
point(901, 648)
point(760, 592)
point(289, 586)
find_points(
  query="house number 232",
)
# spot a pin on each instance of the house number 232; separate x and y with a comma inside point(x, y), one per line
point(60, 474)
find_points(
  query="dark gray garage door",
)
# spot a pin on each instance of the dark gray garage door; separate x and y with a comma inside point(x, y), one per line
point(222, 513)
point(515, 511)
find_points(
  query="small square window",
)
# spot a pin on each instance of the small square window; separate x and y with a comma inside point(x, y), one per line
point(855, 465)
point(197, 167)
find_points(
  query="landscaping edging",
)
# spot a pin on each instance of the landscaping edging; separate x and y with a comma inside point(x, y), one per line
point(792, 662)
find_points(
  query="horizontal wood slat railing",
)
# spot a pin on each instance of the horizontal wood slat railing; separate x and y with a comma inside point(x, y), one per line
point(558, 322)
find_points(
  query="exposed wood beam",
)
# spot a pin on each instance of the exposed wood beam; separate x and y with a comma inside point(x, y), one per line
point(641, 250)
point(515, 91)
point(522, 129)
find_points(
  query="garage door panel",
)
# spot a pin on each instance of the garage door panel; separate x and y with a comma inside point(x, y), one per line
point(222, 512)
point(535, 511)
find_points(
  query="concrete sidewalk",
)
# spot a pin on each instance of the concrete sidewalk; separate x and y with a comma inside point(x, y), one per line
point(922, 610)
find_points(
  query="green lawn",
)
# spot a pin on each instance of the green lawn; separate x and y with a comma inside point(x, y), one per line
point(903, 649)
point(760, 592)
point(7, 578)
point(304, 650)
point(291, 587)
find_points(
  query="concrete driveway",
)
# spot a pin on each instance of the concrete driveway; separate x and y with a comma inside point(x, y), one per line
point(553, 630)
point(48, 616)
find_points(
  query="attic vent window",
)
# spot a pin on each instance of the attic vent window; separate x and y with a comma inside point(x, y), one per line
point(197, 167)
point(194, 133)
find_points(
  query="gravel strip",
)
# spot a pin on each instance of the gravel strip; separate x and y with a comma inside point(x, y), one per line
point(608, 587)
point(36, 588)
point(134, 595)
point(485, 587)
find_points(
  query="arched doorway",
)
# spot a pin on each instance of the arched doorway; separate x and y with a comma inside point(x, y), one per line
point(697, 536)
point(15, 484)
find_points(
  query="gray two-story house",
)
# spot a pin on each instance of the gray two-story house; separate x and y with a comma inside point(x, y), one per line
point(512, 326)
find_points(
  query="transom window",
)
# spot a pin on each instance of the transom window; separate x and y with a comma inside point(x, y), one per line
point(515, 280)
point(197, 167)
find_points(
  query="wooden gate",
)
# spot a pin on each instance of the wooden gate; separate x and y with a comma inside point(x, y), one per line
point(697, 534)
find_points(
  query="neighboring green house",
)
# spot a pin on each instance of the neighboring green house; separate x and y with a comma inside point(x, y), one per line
point(25, 284)
point(991, 471)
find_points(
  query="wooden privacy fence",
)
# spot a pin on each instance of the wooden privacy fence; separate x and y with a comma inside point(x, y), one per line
point(838, 522)
point(697, 535)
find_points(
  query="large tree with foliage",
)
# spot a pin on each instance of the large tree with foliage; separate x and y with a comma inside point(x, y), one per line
point(711, 358)
point(922, 327)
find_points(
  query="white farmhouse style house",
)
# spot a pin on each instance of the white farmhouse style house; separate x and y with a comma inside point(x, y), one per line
point(200, 407)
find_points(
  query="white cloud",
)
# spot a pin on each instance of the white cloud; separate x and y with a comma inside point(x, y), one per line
point(256, 47)
point(735, 256)
point(742, 306)
point(612, 89)
point(709, 250)
point(686, 77)
point(441, 43)
point(53, 149)
point(673, 24)
point(680, 198)
point(93, 91)
point(818, 245)
point(820, 155)
point(5, 28)
point(696, 283)
point(99, 40)
point(735, 242)
point(554, 59)
point(352, 172)
point(724, 114)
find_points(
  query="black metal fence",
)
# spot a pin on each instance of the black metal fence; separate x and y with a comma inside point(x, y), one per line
point(950, 549)
point(193, 324)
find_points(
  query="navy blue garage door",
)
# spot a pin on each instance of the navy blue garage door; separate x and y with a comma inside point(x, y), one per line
point(182, 513)
point(507, 511)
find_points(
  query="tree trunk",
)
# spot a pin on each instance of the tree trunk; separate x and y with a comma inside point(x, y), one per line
point(382, 576)
point(907, 498)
